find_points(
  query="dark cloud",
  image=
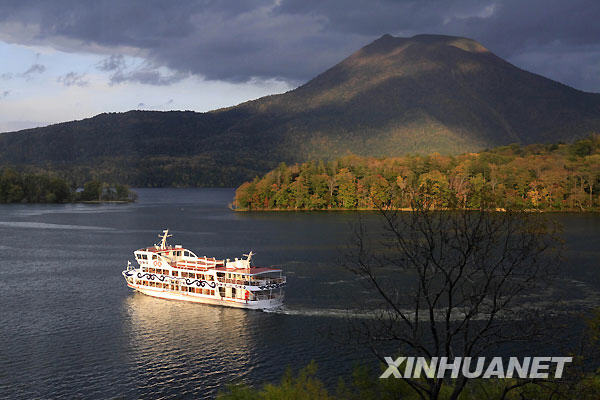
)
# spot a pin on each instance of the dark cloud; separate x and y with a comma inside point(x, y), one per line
point(73, 79)
point(297, 39)
point(145, 75)
point(34, 69)
point(112, 63)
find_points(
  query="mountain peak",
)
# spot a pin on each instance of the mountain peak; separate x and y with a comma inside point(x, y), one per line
point(384, 44)
point(394, 96)
point(388, 43)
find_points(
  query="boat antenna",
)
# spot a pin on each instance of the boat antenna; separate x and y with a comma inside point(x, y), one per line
point(163, 241)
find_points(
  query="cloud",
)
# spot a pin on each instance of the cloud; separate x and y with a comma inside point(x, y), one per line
point(163, 106)
point(34, 69)
point(145, 73)
point(4, 94)
point(294, 40)
point(148, 76)
point(112, 63)
point(7, 76)
point(73, 79)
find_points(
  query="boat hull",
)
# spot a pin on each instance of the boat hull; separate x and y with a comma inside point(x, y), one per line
point(197, 298)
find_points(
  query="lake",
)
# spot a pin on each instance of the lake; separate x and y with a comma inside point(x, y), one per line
point(70, 327)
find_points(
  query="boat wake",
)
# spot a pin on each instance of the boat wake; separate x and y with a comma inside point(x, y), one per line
point(320, 312)
point(546, 304)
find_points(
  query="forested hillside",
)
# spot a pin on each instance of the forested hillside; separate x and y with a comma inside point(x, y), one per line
point(395, 96)
point(538, 176)
point(18, 187)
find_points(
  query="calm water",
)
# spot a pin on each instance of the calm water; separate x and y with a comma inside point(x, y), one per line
point(69, 326)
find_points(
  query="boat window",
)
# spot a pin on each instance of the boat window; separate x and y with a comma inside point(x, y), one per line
point(154, 256)
point(186, 254)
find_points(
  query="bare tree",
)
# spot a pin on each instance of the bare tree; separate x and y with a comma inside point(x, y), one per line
point(451, 283)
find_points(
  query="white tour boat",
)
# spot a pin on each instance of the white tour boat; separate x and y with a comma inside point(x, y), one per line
point(173, 272)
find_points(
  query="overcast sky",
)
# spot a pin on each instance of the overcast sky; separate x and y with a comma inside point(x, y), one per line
point(70, 59)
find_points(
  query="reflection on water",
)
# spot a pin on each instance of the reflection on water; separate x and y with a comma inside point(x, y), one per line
point(181, 349)
point(185, 343)
point(71, 328)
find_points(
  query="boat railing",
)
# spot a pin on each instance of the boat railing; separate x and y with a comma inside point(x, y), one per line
point(252, 282)
point(267, 296)
point(263, 282)
point(194, 265)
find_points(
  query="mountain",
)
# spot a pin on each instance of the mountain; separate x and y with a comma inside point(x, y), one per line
point(392, 97)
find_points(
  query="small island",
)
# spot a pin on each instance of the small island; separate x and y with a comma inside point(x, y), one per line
point(21, 187)
point(542, 177)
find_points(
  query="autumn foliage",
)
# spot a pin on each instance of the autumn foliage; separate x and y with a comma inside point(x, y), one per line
point(539, 176)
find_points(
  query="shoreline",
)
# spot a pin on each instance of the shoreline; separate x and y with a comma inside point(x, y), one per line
point(407, 209)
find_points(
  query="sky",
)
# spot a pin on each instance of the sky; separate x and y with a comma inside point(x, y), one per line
point(62, 60)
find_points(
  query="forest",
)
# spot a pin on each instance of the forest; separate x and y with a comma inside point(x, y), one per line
point(20, 187)
point(546, 177)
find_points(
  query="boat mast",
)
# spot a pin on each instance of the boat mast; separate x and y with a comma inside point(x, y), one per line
point(249, 255)
point(164, 236)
